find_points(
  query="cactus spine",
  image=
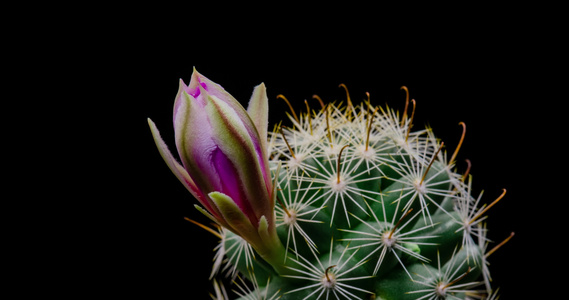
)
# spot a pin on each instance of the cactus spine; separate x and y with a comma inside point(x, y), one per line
point(367, 209)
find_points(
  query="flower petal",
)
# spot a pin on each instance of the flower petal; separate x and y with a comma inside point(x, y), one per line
point(194, 142)
point(259, 101)
point(179, 98)
point(178, 169)
point(198, 83)
point(243, 151)
point(231, 184)
point(258, 110)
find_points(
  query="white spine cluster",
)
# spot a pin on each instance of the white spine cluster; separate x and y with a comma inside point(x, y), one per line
point(361, 171)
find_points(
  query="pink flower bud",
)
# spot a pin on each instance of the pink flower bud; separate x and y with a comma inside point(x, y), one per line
point(223, 152)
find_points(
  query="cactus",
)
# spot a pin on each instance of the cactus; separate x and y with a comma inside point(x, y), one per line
point(365, 208)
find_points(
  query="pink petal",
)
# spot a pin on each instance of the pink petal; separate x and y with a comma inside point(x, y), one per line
point(179, 170)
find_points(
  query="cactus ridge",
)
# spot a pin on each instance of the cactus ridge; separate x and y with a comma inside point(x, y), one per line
point(366, 209)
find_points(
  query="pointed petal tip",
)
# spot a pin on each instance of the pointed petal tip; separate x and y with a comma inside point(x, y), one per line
point(262, 89)
point(153, 128)
point(196, 73)
point(182, 88)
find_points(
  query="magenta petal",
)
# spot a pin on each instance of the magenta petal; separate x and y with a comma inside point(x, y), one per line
point(231, 184)
point(195, 92)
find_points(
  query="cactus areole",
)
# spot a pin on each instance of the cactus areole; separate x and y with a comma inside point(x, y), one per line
point(346, 202)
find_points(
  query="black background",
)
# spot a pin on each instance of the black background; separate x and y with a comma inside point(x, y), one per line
point(492, 77)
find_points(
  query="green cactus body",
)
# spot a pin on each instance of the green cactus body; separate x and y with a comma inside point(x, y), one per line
point(367, 209)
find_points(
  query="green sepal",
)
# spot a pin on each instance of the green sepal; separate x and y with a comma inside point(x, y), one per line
point(237, 221)
point(268, 236)
point(273, 250)
point(214, 219)
point(263, 239)
point(264, 229)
